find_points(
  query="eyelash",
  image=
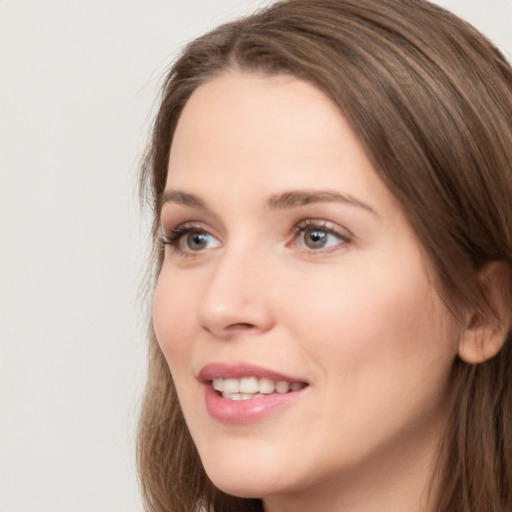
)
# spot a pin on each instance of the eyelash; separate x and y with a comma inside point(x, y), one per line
point(174, 236)
point(321, 225)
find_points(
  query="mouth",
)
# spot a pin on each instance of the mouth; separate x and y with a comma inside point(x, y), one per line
point(244, 393)
point(251, 387)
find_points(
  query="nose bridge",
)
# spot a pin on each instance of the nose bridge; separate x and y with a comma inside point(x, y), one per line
point(236, 296)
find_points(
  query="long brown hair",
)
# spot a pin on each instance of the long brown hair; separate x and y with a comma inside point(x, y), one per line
point(431, 101)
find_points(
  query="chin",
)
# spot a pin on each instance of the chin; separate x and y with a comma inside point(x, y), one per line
point(243, 484)
point(247, 477)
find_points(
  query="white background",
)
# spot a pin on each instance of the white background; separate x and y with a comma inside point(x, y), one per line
point(78, 80)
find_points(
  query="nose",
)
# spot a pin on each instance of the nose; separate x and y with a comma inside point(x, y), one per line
point(236, 299)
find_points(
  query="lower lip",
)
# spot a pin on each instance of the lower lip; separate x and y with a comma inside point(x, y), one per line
point(245, 411)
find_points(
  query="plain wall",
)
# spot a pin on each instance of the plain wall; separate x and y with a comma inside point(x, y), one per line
point(77, 83)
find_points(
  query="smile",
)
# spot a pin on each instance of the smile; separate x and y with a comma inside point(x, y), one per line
point(247, 388)
point(243, 393)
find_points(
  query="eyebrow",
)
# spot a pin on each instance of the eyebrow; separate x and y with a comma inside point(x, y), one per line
point(283, 200)
point(299, 198)
point(183, 198)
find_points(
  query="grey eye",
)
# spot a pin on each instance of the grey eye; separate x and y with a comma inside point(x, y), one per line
point(315, 238)
point(197, 241)
point(316, 235)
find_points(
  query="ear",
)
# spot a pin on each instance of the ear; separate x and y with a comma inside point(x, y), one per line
point(484, 335)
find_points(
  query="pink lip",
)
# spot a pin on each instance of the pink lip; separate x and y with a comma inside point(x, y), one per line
point(237, 371)
point(243, 411)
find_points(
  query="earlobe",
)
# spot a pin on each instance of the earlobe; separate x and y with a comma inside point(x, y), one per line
point(485, 334)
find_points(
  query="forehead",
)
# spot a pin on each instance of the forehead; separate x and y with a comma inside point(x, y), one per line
point(272, 112)
point(279, 130)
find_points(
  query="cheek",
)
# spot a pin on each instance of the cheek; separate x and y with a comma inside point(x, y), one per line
point(174, 324)
point(381, 347)
point(173, 319)
point(369, 318)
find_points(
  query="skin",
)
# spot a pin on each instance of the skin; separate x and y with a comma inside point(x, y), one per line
point(357, 319)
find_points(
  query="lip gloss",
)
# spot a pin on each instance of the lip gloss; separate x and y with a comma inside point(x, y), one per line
point(245, 411)
point(250, 410)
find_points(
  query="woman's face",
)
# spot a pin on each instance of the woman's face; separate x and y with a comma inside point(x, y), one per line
point(289, 265)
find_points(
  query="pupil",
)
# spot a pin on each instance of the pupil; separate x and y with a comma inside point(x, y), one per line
point(197, 241)
point(315, 239)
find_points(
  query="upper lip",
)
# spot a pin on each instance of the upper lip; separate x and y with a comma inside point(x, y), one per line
point(238, 370)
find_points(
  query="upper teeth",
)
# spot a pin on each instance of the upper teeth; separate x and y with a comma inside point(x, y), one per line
point(257, 385)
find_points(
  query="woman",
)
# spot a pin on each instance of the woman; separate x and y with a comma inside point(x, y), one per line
point(331, 183)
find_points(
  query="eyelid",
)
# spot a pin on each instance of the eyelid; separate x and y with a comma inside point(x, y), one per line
point(168, 228)
point(329, 227)
point(173, 237)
